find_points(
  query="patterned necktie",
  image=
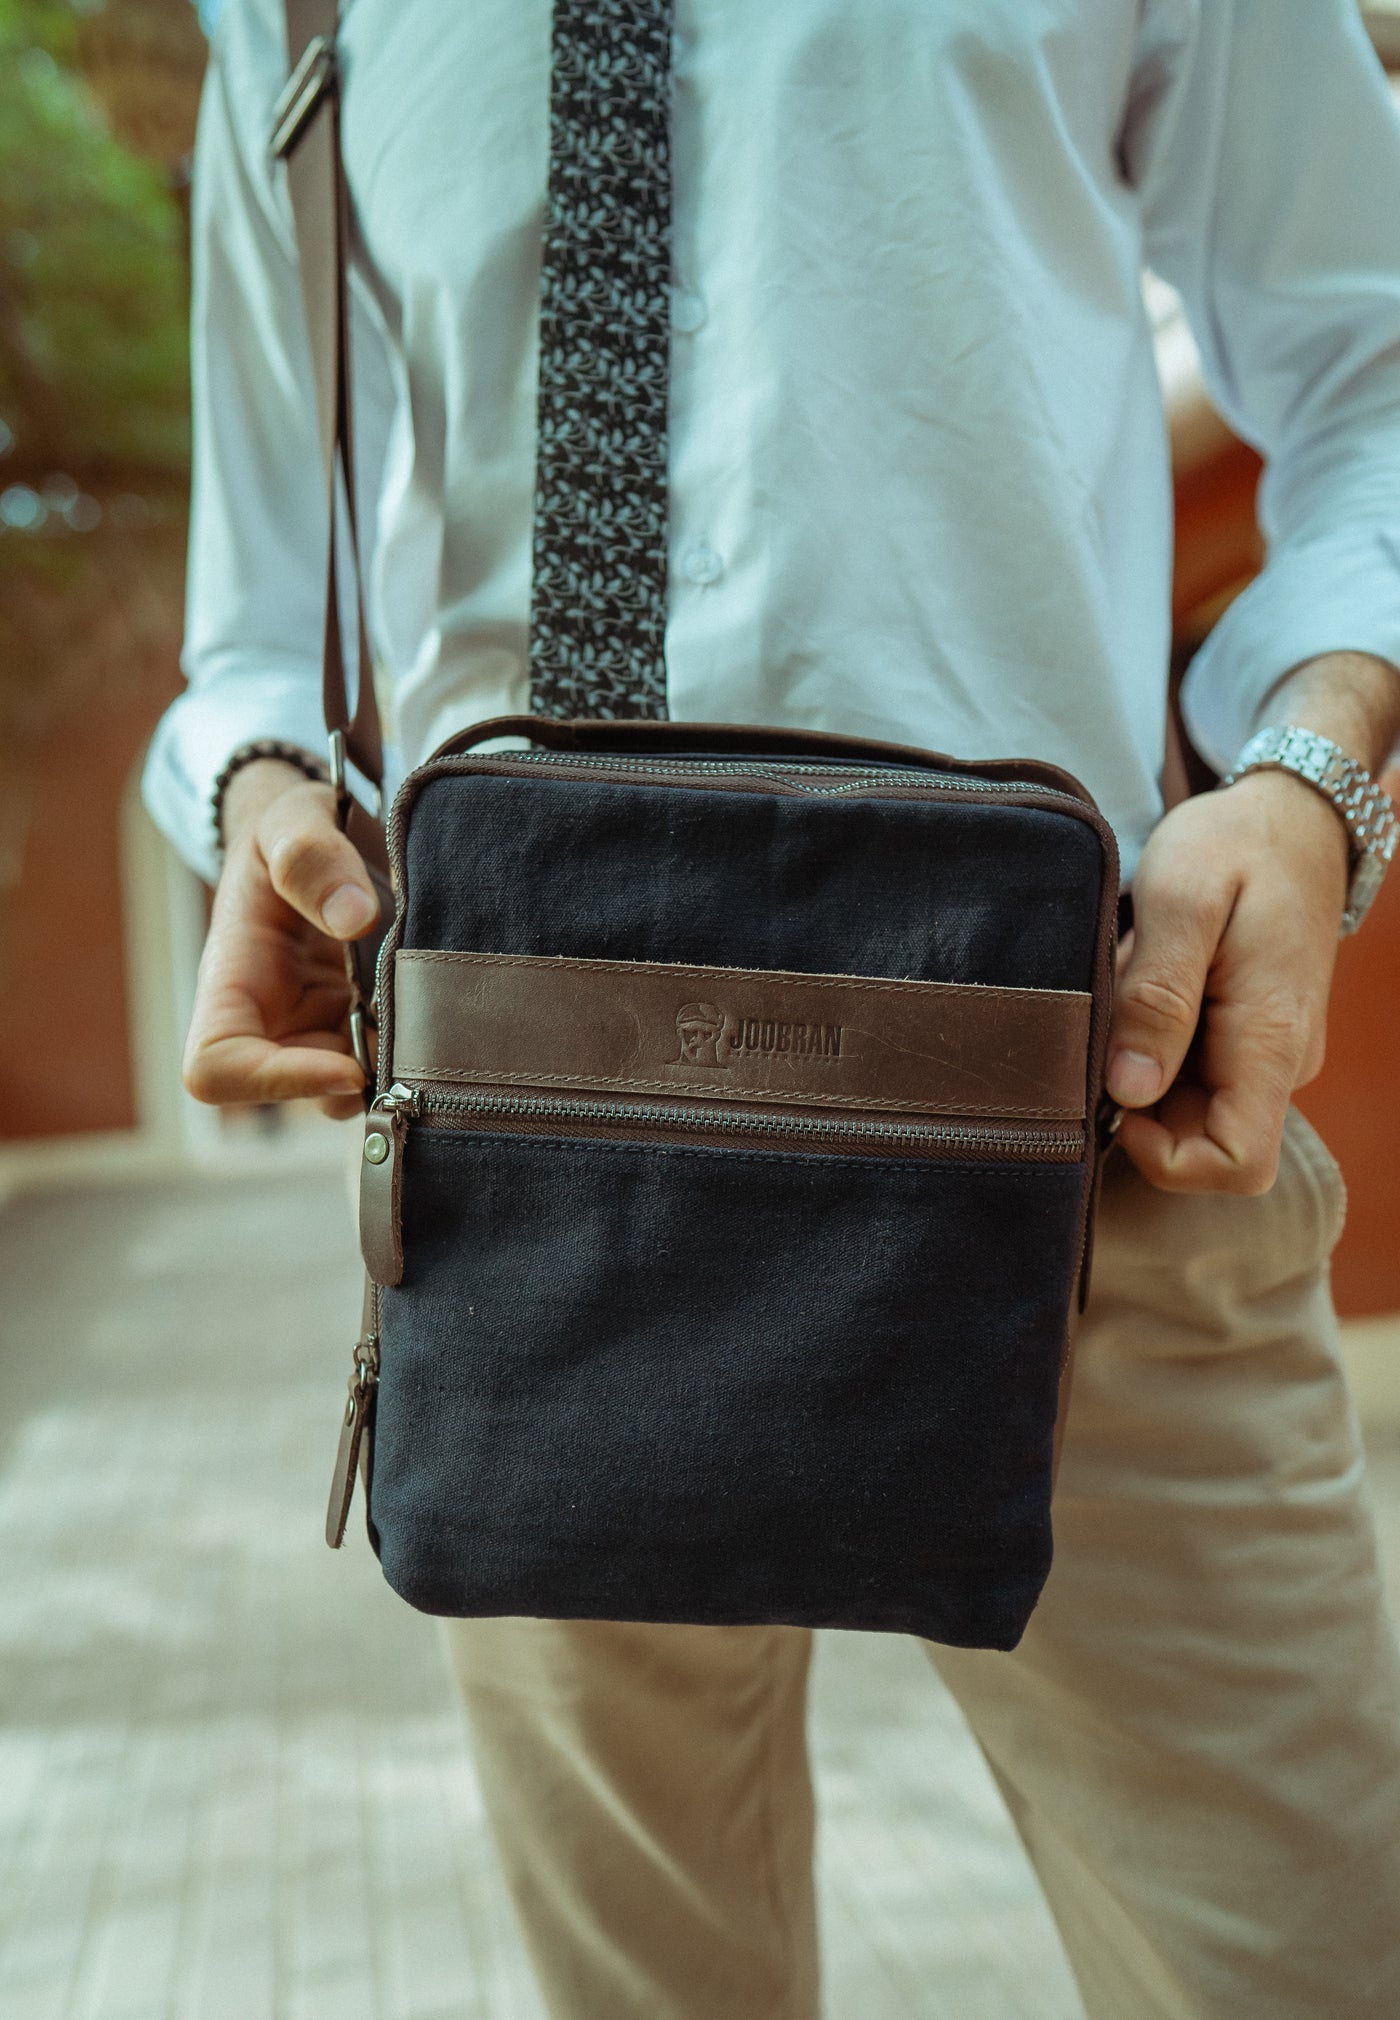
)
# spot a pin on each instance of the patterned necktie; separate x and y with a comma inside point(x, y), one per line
point(598, 601)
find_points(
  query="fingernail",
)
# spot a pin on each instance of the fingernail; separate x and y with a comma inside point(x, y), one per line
point(347, 911)
point(1134, 1079)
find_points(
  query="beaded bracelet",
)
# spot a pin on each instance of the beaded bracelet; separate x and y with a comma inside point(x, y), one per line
point(249, 753)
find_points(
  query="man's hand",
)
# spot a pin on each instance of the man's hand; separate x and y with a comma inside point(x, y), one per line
point(1223, 984)
point(271, 1005)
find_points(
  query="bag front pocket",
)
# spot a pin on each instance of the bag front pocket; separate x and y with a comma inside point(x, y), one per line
point(662, 1381)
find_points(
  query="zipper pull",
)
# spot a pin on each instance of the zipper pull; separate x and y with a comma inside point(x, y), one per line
point(381, 1173)
point(364, 1379)
point(1110, 1119)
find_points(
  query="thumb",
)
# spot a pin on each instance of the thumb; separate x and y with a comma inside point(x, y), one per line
point(313, 866)
point(1159, 992)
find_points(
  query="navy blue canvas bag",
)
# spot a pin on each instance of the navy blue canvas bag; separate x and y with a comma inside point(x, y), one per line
point(727, 1183)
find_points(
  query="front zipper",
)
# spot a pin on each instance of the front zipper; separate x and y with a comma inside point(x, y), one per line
point(388, 1120)
point(1010, 1139)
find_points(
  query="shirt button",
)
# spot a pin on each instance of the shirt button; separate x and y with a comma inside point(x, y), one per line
point(703, 565)
point(687, 312)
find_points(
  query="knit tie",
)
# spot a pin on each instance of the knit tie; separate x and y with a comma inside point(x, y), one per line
point(598, 600)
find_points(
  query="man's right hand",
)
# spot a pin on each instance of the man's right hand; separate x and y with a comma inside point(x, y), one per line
point(271, 1004)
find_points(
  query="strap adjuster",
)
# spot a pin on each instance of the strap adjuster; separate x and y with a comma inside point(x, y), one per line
point(313, 80)
point(340, 784)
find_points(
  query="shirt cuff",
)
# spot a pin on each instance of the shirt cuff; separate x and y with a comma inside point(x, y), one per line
point(200, 731)
point(1319, 596)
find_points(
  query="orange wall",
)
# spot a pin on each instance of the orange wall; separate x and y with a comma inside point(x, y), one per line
point(1217, 541)
point(63, 987)
point(1356, 1105)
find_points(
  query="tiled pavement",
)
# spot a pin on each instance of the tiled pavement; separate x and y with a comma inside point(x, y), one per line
point(233, 1782)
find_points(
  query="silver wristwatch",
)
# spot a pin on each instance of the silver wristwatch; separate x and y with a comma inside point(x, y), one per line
point(1366, 811)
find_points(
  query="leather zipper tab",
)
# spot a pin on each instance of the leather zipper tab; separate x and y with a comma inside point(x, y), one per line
point(352, 1450)
point(381, 1183)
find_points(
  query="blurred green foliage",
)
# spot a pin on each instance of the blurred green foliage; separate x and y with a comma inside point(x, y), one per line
point(93, 358)
point(97, 104)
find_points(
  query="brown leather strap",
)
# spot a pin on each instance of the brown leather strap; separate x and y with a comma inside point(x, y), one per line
point(321, 213)
point(740, 1035)
point(307, 138)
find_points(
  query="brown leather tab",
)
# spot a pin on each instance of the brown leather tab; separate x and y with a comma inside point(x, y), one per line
point(352, 1452)
point(381, 1180)
point(347, 1461)
point(832, 1041)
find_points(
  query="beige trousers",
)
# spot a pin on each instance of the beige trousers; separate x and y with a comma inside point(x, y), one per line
point(1198, 1738)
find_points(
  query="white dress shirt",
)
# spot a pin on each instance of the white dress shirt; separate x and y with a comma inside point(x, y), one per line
point(919, 475)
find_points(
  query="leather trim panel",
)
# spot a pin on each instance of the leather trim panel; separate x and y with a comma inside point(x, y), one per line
point(828, 1041)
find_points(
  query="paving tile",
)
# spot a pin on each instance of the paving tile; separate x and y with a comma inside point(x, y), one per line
point(923, 1888)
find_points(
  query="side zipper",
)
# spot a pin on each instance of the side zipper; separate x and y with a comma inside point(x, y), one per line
point(1108, 1122)
point(353, 1449)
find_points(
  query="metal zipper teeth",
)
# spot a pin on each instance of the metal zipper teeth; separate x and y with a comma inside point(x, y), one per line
point(851, 778)
point(1028, 1142)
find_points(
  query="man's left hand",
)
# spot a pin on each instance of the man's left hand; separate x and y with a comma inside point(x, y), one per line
point(1221, 1007)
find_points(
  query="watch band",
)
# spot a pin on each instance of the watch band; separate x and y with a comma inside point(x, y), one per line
point(1366, 811)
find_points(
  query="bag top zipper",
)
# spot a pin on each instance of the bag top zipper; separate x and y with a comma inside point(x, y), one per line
point(839, 779)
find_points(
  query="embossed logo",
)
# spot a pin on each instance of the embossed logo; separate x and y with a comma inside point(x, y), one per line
point(699, 1027)
point(710, 1036)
